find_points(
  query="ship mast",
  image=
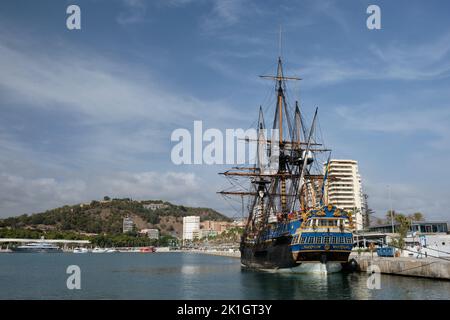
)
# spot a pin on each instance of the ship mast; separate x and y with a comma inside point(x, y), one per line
point(281, 103)
point(277, 191)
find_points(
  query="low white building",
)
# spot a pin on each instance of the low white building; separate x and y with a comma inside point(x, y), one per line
point(151, 233)
point(155, 206)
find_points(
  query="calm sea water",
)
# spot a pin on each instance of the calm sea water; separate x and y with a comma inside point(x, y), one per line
point(188, 276)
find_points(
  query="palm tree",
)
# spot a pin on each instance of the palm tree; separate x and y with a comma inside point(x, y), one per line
point(391, 214)
point(403, 228)
point(417, 216)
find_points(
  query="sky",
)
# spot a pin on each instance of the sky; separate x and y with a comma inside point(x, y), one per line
point(89, 113)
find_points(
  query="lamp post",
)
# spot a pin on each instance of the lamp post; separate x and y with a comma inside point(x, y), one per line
point(392, 212)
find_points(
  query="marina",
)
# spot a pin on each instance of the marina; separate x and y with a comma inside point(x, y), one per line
point(411, 266)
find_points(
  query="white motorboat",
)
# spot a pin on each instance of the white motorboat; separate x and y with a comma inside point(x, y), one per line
point(80, 250)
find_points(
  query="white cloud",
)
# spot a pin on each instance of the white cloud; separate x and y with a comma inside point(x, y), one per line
point(421, 61)
point(120, 113)
point(177, 3)
point(407, 199)
point(23, 195)
point(228, 13)
point(105, 95)
point(135, 12)
point(326, 71)
point(394, 61)
point(410, 154)
point(331, 11)
point(103, 90)
point(395, 114)
point(19, 194)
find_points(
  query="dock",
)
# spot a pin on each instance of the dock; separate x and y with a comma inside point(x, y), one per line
point(232, 254)
point(222, 253)
point(58, 241)
point(407, 266)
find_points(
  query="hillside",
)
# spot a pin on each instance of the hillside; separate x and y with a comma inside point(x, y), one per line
point(106, 217)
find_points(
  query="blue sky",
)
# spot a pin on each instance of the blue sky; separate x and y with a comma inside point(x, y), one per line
point(89, 113)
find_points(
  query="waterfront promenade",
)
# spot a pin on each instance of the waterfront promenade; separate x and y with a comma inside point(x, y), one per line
point(233, 254)
point(223, 253)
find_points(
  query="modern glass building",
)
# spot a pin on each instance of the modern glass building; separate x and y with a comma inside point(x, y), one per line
point(416, 226)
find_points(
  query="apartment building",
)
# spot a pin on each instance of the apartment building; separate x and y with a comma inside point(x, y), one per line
point(191, 228)
point(344, 190)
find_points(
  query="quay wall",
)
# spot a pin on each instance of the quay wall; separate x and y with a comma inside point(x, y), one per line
point(426, 267)
point(232, 254)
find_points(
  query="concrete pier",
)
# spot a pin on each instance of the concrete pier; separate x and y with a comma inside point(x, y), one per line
point(426, 268)
point(232, 254)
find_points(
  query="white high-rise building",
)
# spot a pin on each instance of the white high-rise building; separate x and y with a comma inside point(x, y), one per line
point(127, 225)
point(344, 190)
point(191, 227)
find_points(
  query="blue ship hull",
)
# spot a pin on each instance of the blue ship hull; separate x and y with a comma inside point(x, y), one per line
point(287, 245)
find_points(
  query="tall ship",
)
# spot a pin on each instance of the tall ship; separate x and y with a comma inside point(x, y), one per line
point(290, 227)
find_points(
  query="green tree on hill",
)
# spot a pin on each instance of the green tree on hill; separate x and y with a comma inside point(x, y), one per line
point(106, 217)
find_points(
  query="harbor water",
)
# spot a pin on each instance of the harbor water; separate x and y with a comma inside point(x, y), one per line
point(189, 276)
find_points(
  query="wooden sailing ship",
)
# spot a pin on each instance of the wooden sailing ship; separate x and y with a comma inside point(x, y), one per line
point(289, 226)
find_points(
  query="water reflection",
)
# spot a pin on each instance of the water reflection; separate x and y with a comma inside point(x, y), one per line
point(304, 286)
point(339, 286)
point(191, 276)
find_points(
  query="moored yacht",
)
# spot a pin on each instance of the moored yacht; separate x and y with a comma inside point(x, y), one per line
point(98, 250)
point(38, 247)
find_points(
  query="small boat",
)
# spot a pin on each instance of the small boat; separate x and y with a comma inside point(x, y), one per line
point(98, 250)
point(111, 250)
point(80, 250)
point(37, 247)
